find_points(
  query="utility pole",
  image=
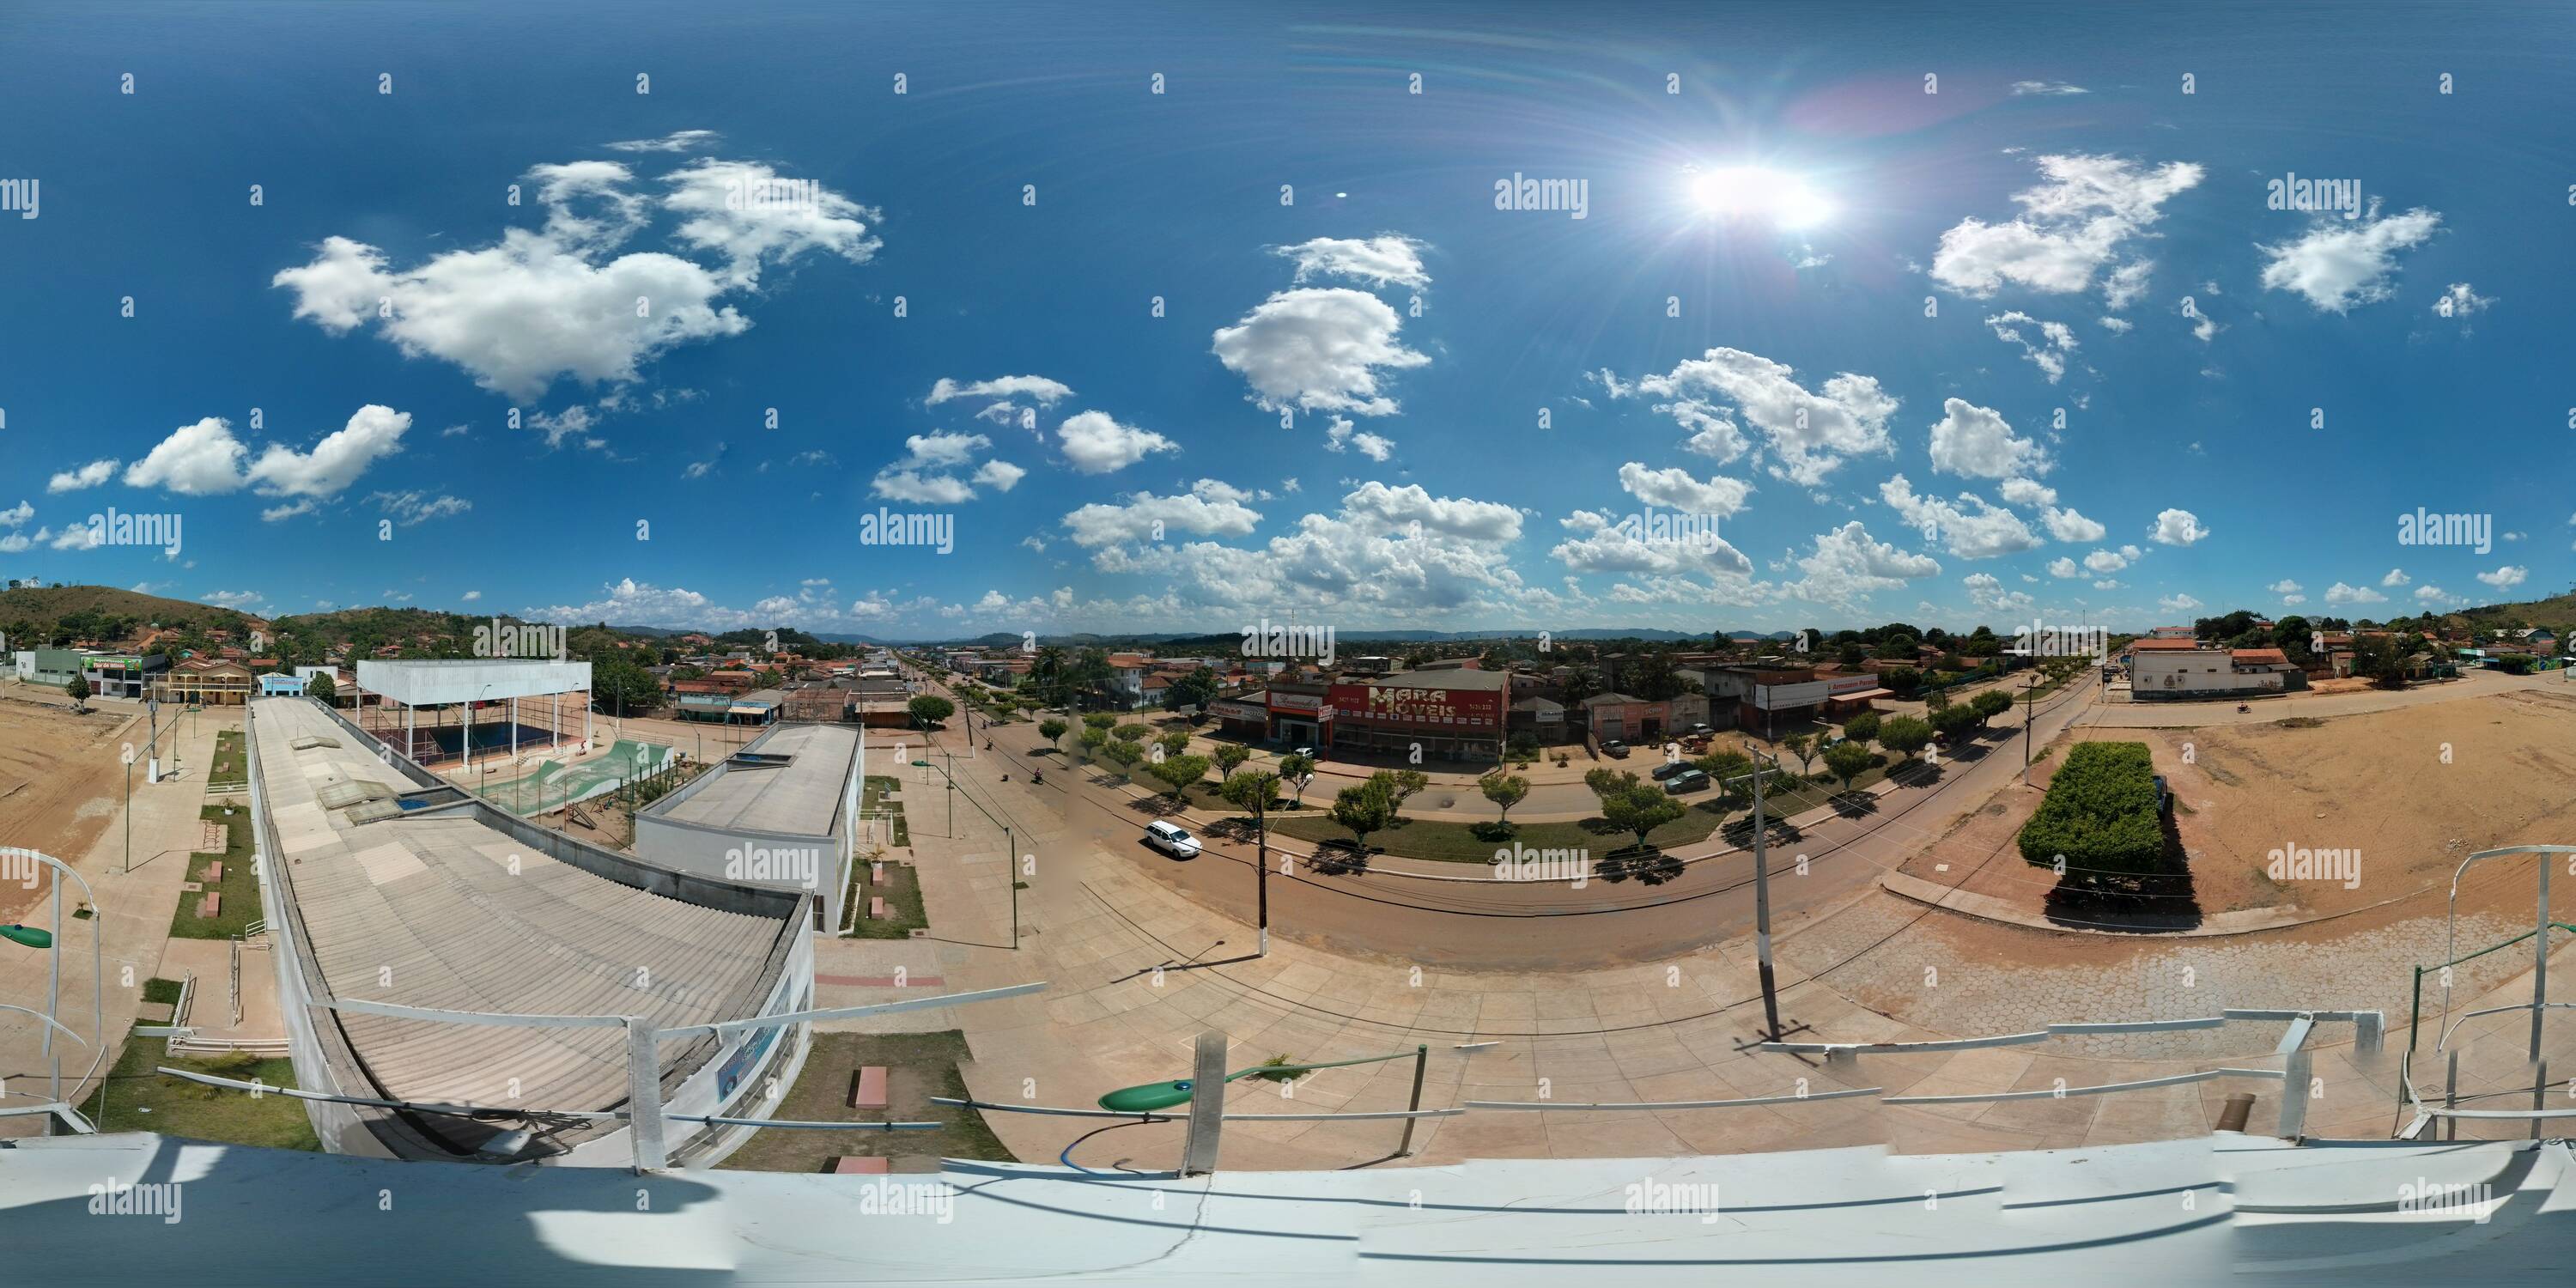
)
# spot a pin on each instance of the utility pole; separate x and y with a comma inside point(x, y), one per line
point(2029, 716)
point(1762, 899)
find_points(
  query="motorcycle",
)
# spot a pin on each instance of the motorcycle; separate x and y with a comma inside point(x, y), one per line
point(988, 744)
point(2243, 707)
point(1036, 777)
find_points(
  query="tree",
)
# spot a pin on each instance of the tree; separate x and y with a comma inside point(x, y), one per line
point(1229, 755)
point(1862, 728)
point(1193, 690)
point(929, 709)
point(1505, 791)
point(1896, 647)
point(1936, 700)
point(1401, 784)
point(1173, 742)
point(1122, 754)
point(1848, 760)
point(621, 687)
point(1179, 772)
point(1901, 680)
point(1299, 770)
point(1904, 735)
point(1251, 790)
point(1955, 721)
point(77, 689)
point(1802, 746)
point(1604, 780)
point(1052, 729)
point(1131, 732)
point(320, 689)
point(1989, 704)
point(1094, 739)
point(1639, 808)
point(1365, 808)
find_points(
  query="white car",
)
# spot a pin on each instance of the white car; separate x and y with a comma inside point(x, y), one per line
point(1171, 840)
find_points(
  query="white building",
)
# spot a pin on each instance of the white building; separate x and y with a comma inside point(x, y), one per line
point(2176, 673)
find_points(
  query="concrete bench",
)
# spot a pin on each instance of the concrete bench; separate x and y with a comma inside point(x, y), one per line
point(214, 873)
point(868, 1087)
point(876, 873)
point(210, 904)
point(859, 1165)
point(876, 907)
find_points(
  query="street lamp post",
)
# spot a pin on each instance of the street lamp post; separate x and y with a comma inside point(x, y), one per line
point(53, 943)
point(1762, 899)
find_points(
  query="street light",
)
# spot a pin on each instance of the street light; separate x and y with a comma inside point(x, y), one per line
point(51, 941)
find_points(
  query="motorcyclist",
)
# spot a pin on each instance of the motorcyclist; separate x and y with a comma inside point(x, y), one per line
point(1037, 776)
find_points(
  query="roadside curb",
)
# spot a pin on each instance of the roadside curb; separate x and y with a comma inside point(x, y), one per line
point(1986, 907)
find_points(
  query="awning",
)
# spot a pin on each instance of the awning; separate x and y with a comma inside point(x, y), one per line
point(1862, 696)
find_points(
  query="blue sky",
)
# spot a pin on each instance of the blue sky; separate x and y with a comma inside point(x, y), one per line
point(1736, 330)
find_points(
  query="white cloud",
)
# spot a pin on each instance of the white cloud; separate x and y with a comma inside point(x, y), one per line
point(999, 475)
point(1809, 433)
point(1391, 260)
point(372, 433)
point(2020, 88)
point(2178, 603)
point(1603, 544)
point(1675, 489)
point(1097, 444)
point(278, 513)
point(2062, 566)
point(409, 509)
point(2056, 340)
point(1037, 389)
point(2117, 326)
point(203, 459)
point(2507, 577)
point(1848, 564)
point(2431, 594)
point(1981, 532)
point(2339, 593)
point(1209, 508)
point(2176, 528)
point(2126, 284)
point(2460, 301)
point(2285, 586)
point(1370, 558)
point(231, 598)
point(925, 473)
point(2395, 577)
point(2293, 601)
point(1987, 591)
point(90, 475)
point(2070, 226)
point(17, 515)
point(2339, 264)
point(542, 304)
point(750, 214)
point(1317, 349)
point(2105, 562)
point(1976, 442)
point(1342, 437)
point(76, 537)
point(677, 141)
point(2071, 527)
point(2108, 583)
point(472, 595)
point(2027, 492)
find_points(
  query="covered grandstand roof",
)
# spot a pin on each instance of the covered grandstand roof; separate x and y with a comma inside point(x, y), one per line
point(801, 797)
point(443, 909)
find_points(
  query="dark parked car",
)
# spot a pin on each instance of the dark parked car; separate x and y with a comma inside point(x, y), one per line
point(1614, 748)
point(1689, 780)
point(1670, 768)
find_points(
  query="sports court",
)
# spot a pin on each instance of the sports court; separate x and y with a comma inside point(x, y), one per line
point(454, 710)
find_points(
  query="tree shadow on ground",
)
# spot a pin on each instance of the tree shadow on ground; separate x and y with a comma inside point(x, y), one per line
point(1156, 806)
point(1340, 859)
point(1854, 804)
point(2159, 902)
point(1650, 866)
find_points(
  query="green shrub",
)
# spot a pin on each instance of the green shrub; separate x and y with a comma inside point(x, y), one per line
point(2100, 813)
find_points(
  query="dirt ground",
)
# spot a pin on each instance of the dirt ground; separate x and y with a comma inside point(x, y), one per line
point(61, 784)
point(2409, 793)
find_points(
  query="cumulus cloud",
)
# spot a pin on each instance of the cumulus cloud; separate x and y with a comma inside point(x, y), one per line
point(1390, 260)
point(1973, 528)
point(677, 141)
point(2178, 603)
point(2050, 88)
point(2507, 577)
point(205, 459)
point(2071, 527)
point(2339, 593)
point(1807, 433)
point(1097, 444)
point(90, 475)
point(2056, 340)
point(1847, 564)
point(2460, 301)
point(2176, 528)
point(1986, 591)
point(1037, 389)
point(17, 515)
point(1976, 442)
point(2072, 224)
point(1675, 489)
point(411, 508)
point(1209, 508)
point(1602, 544)
point(555, 301)
point(1394, 552)
point(1318, 349)
point(2062, 566)
point(2338, 264)
point(1342, 437)
point(2395, 577)
point(2285, 586)
point(927, 471)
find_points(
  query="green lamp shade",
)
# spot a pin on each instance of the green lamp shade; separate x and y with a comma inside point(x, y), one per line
point(34, 938)
point(1147, 1097)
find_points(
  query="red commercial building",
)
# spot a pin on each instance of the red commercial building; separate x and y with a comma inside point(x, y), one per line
point(1450, 714)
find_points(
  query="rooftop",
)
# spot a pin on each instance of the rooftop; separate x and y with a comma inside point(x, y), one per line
point(801, 797)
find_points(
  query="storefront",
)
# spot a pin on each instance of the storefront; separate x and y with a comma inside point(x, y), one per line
point(1247, 717)
point(1448, 715)
point(1301, 715)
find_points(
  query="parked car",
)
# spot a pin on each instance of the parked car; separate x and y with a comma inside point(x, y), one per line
point(1307, 752)
point(1670, 768)
point(1701, 731)
point(1689, 780)
point(1614, 748)
point(1171, 840)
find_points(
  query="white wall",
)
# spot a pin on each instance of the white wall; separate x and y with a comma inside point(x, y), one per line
point(2176, 672)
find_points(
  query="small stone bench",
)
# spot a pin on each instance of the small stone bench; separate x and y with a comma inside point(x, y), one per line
point(876, 907)
point(868, 1087)
point(859, 1165)
point(214, 873)
point(210, 904)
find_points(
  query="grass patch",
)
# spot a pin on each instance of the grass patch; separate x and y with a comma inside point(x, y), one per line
point(918, 1066)
point(134, 1098)
point(902, 892)
point(228, 766)
point(878, 788)
point(240, 885)
point(165, 991)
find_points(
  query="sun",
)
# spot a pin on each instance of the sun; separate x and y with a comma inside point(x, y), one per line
point(1759, 192)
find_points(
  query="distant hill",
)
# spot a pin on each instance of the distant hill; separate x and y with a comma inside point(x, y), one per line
point(40, 607)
